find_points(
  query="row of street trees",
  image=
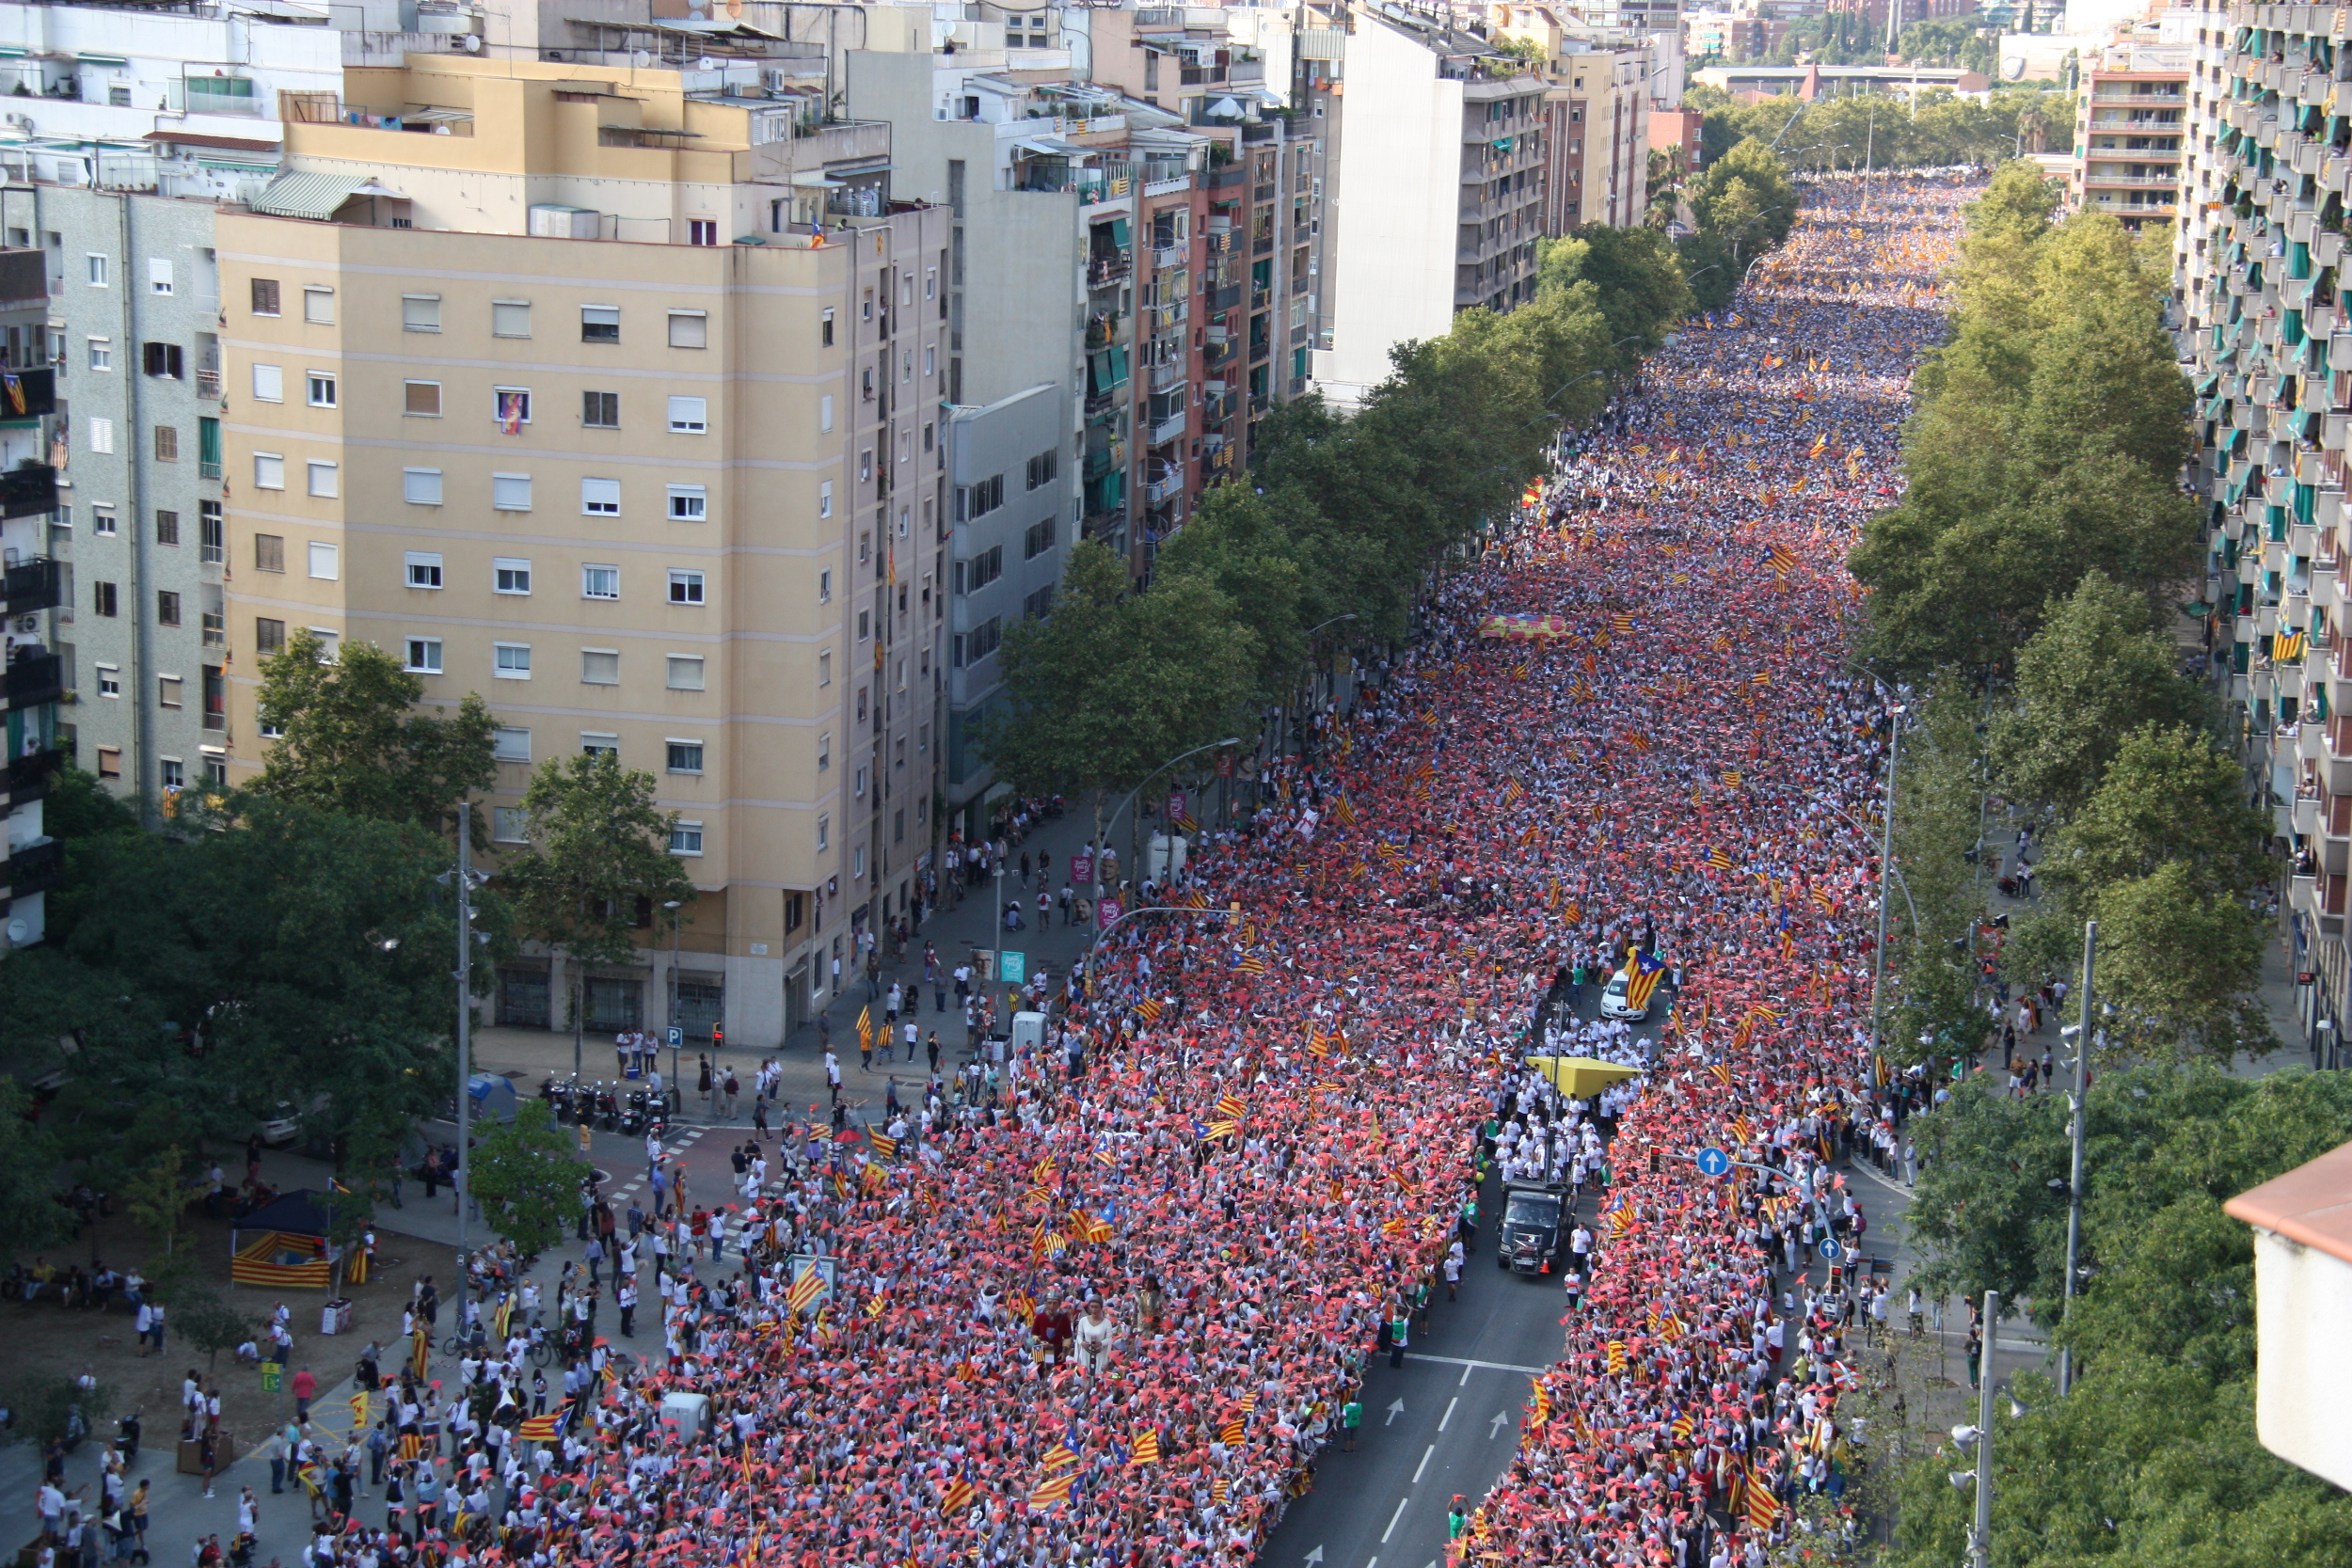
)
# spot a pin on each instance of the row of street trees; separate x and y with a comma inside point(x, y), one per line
point(1346, 515)
point(1877, 130)
point(2027, 584)
point(291, 942)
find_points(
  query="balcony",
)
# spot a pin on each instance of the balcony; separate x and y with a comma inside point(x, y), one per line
point(207, 384)
point(1170, 429)
point(35, 866)
point(30, 776)
point(28, 491)
point(1105, 270)
point(31, 585)
point(28, 393)
point(33, 680)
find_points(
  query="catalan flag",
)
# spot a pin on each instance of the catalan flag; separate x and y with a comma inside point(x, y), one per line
point(1647, 968)
point(1731, 778)
point(1344, 812)
point(866, 1028)
point(803, 1291)
point(1250, 965)
point(1054, 1490)
point(1234, 1430)
point(1513, 792)
point(1147, 1448)
point(1149, 1009)
point(1763, 1509)
point(959, 1496)
point(1718, 859)
point(1184, 822)
point(1222, 1128)
point(1723, 1072)
point(1232, 1106)
point(882, 1143)
point(1617, 1355)
point(1822, 901)
point(1682, 1429)
point(1058, 1455)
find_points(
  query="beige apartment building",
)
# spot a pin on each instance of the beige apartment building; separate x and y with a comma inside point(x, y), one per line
point(614, 394)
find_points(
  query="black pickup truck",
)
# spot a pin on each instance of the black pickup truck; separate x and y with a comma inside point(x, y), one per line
point(1533, 1216)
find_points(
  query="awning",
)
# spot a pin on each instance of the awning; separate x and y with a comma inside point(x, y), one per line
point(313, 196)
point(1050, 147)
point(88, 58)
point(1119, 234)
point(815, 180)
point(223, 144)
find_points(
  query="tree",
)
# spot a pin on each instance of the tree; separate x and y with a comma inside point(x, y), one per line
point(526, 1175)
point(1931, 1007)
point(50, 1405)
point(598, 868)
point(352, 741)
point(1638, 282)
point(30, 1215)
point(2093, 673)
point(197, 1313)
point(156, 1195)
point(1235, 545)
point(2170, 796)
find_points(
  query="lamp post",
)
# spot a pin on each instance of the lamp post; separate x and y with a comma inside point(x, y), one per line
point(671, 904)
point(1980, 1538)
point(1111, 822)
point(465, 1018)
point(1309, 634)
point(2078, 1108)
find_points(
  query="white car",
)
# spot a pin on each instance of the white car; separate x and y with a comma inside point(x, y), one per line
point(1614, 1003)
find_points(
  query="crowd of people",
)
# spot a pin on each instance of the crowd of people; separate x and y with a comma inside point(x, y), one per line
point(1111, 1311)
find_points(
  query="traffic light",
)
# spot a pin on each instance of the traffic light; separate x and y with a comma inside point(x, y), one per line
point(1656, 1161)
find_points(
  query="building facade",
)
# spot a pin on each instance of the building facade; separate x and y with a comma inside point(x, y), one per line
point(36, 608)
point(2128, 134)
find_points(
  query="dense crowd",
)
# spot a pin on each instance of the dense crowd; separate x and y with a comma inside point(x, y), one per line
point(1111, 1312)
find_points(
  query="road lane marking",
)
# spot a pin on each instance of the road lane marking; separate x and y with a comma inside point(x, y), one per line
point(1463, 1383)
point(1424, 1463)
point(1490, 1365)
point(1449, 1412)
point(1393, 1519)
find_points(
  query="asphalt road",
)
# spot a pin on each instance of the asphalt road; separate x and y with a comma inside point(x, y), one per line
point(1446, 1422)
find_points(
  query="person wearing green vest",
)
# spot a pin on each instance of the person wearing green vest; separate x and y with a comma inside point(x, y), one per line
point(1351, 1417)
point(1456, 1518)
point(1470, 1222)
point(1400, 1331)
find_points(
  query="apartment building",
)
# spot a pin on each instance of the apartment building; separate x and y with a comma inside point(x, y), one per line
point(1433, 185)
point(2127, 133)
point(615, 399)
point(2262, 321)
point(35, 653)
point(1598, 115)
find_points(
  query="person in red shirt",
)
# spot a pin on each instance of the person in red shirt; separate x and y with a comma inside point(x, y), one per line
point(1053, 1328)
point(305, 1388)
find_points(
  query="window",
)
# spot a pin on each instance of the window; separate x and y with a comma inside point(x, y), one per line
point(600, 666)
point(690, 415)
point(1038, 539)
point(685, 588)
point(269, 552)
point(686, 672)
point(510, 492)
point(167, 443)
point(510, 744)
point(824, 752)
point(866, 464)
point(163, 359)
point(825, 415)
point(322, 389)
point(600, 410)
point(511, 407)
point(864, 624)
point(167, 528)
point(318, 305)
point(95, 270)
point(984, 568)
point(978, 500)
point(824, 586)
point(167, 608)
point(512, 660)
point(599, 582)
point(601, 498)
point(325, 561)
point(109, 757)
point(857, 788)
point(175, 776)
point(101, 354)
point(510, 824)
point(1039, 605)
point(216, 763)
point(824, 498)
point(511, 576)
point(685, 838)
point(270, 471)
point(599, 743)
point(702, 231)
point(420, 486)
point(421, 313)
point(101, 519)
point(981, 642)
point(169, 689)
point(686, 757)
point(269, 636)
point(824, 832)
point(269, 383)
point(690, 329)
point(212, 535)
point(510, 318)
point(688, 503)
point(423, 399)
point(1043, 467)
point(857, 863)
point(102, 435)
point(103, 599)
point(599, 324)
point(824, 668)
point(425, 569)
point(325, 480)
point(424, 656)
point(262, 294)
point(824, 338)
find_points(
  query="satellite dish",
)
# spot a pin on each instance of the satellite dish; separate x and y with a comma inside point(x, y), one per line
point(2013, 67)
point(20, 933)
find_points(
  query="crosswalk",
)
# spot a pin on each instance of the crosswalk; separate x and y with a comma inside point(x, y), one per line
point(676, 1147)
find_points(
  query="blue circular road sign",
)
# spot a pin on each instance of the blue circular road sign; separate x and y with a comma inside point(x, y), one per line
point(1713, 1161)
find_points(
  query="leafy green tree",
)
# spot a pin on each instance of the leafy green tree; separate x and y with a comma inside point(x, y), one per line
point(1746, 198)
point(355, 742)
point(48, 1406)
point(156, 1195)
point(2093, 673)
point(30, 1215)
point(2170, 796)
point(526, 1175)
point(1236, 546)
point(1113, 684)
point(199, 1315)
point(1931, 1007)
point(597, 869)
point(1638, 282)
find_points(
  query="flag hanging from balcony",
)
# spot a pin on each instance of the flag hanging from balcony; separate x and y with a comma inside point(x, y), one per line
point(2288, 647)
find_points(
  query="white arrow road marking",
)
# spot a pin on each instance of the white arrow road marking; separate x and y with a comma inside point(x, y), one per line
point(1494, 1428)
point(1314, 1557)
point(1449, 1412)
point(1394, 1411)
point(1393, 1519)
point(1423, 1465)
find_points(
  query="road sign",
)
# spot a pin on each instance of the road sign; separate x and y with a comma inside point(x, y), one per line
point(673, 1036)
point(1713, 1161)
point(1012, 968)
point(271, 1373)
point(1830, 1252)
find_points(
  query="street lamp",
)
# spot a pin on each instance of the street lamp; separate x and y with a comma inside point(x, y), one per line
point(678, 1039)
point(1112, 820)
point(2078, 1110)
point(462, 881)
